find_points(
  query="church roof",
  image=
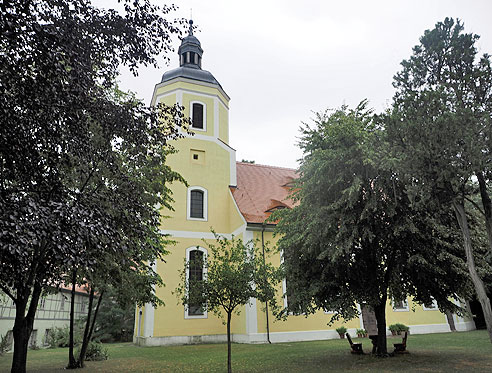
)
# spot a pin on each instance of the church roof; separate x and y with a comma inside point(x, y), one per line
point(262, 189)
point(190, 73)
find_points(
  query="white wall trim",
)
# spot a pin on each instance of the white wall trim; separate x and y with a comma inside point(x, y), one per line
point(191, 81)
point(433, 308)
point(204, 113)
point(199, 235)
point(205, 203)
point(294, 336)
point(148, 329)
point(251, 306)
point(205, 253)
point(405, 304)
point(216, 117)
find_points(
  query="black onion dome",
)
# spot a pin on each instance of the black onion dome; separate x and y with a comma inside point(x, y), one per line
point(190, 61)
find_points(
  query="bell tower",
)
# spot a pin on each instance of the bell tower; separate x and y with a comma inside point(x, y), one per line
point(203, 158)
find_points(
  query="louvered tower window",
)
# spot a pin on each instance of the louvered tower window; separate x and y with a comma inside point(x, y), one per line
point(197, 116)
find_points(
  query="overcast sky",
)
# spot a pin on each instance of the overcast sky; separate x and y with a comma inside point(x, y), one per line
point(280, 61)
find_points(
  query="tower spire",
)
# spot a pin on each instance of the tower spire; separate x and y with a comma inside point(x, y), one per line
point(190, 51)
point(190, 31)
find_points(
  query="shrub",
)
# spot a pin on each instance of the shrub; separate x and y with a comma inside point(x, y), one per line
point(96, 352)
point(60, 337)
point(341, 330)
point(4, 343)
point(361, 332)
point(398, 328)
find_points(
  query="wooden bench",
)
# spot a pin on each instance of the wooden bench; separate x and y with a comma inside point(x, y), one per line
point(356, 347)
point(401, 348)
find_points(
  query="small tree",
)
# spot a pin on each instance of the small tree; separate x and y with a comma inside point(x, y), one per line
point(234, 273)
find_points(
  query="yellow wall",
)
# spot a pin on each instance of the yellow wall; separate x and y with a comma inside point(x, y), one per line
point(416, 315)
point(169, 320)
point(211, 171)
point(317, 321)
point(224, 123)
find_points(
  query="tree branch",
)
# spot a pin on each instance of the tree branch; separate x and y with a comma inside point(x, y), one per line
point(475, 204)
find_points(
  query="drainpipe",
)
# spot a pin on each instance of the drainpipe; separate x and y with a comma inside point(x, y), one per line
point(266, 304)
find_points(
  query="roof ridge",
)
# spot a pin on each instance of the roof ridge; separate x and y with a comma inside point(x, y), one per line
point(266, 166)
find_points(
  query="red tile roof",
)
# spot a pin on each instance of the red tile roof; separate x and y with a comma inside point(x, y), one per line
point(261, 189)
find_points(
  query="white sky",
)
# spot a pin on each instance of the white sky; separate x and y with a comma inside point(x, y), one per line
point(280, 61)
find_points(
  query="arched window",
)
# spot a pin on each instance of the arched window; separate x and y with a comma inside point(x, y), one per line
point(198, 115)
point(195, 257)
point(197, 203)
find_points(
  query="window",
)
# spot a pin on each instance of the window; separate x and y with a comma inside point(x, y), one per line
point(46, 339)
point(198, 115)
point(42, 303)
point(196, 206)
point(82, 306)
point(195, 256)
point(401, 305)
point(430, 307)
point(197, 203)
point(10, 339)
point(62, 302)
point(33, 338)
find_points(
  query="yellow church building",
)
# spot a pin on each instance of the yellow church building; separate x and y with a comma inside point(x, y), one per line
point(233, 198)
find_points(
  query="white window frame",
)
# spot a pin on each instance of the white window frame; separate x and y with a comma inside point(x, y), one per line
point(204, 129)
point(205, 253)
point(405, 304)
point(434, 304)
point(205, 203)
point(284, 290)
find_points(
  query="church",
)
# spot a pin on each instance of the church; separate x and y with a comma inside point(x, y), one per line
point(233, 198)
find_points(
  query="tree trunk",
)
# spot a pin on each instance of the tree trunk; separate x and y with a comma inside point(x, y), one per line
point(95, 315)
point(487, 206)
point(85, 340)
point(72, 363)
point(229, 366)
point(484, 300)
point(380, 312)
point(23, 328)
point(449, 317)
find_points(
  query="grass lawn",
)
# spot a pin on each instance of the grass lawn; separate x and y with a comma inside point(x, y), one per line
point(446, 352)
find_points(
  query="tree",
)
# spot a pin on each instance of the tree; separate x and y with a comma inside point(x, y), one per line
point(440, 129)
point(234, 273)
point(354, 236)
point(81, 168)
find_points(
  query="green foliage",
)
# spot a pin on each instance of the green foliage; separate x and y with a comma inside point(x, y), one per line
point(361, 332)
point(4, 343)
point(355, 236)
point(439, 134)
point(115, 320)
point(235, 272)
point(96, 352)
point(83, 166)
point(341, 330)
point(59, 336)
point(398, 328)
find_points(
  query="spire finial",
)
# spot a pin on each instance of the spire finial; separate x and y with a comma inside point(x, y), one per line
point(190, 32)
